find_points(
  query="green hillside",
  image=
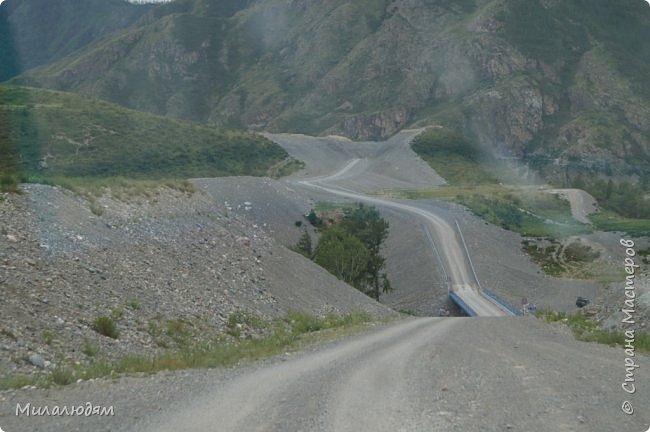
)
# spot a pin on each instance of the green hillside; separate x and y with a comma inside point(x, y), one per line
point(48, 134)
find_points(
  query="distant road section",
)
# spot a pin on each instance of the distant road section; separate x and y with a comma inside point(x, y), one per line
point(582, 203)
point(461, 279)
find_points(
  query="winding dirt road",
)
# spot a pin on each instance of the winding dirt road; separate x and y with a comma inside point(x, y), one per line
point(461, 279)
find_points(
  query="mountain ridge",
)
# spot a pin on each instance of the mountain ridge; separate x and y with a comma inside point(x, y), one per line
point(544, 81)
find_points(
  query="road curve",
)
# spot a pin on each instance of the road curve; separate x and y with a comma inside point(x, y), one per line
point(462, 281)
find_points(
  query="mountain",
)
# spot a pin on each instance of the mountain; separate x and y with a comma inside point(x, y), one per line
point(559, 84)
point(34, 32)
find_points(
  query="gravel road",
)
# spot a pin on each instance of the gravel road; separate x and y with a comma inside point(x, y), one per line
point(431, 375)
point(424, 374)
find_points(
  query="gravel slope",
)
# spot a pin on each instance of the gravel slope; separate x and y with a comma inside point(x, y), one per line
point(169, 257)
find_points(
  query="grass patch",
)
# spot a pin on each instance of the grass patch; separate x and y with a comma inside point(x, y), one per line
point(562, 260)
point(96, 208)
point(22, 380)
point(8, 333)
point(120, 188)
point(237, 321)
point(523, 209)
point(116, 314)
point(9, 183)
point(457, 170)
point(453, 157)
point(544, 256)
point(289, 333)
point(573, 260)
point(179, 331)
point(609, 221)
point(588, 330)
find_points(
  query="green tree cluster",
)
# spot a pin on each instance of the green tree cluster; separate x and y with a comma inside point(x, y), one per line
point(627, 199)
point(436, 141)
point(350, 250)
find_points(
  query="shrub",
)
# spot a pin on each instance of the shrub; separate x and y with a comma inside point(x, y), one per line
point(48, 337)
point(90, 349)
point(62, 376)
point(8, 183)
point(116, 314)
point(178, 330)
point(304, 246)
point(133, 304)
point(96, 208)
point(314, 219)
point(106, 326)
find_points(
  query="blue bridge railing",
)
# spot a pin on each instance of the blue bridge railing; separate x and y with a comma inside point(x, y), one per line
point(502, 302)
point(461, 304)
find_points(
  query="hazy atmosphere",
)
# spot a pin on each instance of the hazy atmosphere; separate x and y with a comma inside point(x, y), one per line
point(350, 215)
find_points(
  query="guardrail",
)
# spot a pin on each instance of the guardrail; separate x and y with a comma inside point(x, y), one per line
point(454, 297)
point(485, 291)
point(469, 259)
point(502, 302)
point(461, 304)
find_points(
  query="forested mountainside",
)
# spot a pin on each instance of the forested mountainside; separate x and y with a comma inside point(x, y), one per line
point(35, 32)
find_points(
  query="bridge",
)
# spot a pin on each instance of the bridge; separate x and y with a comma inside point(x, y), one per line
point(471, 299)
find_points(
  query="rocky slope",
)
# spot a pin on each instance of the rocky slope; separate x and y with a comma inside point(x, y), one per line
point(557, 83)
point(169, 257)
